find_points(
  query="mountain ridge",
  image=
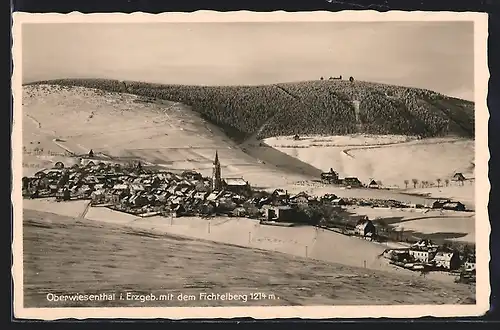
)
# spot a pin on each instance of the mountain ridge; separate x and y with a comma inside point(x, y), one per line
point(328, 107)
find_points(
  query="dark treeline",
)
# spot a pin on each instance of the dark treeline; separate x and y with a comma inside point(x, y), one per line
point(312, 107)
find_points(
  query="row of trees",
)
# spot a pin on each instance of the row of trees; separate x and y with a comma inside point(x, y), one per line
point(308, 107)
point(108, 85)
point(426, 184)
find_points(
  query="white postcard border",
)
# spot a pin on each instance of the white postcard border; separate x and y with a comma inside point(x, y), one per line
point(306, 312)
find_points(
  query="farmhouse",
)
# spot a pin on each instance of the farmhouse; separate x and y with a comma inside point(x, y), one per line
point(458, 177)
point(365, 228)
point(439, 203)
point(352, 182)
point(279, 196)
point(447, 259)
point(236, 185)
point(279, 213)
point(397, 255)
point(454, 206)
point(373, 185)
point(424, 255)
point(301, 198)
point(330, 177)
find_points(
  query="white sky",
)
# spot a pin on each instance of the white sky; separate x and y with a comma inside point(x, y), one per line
point(432, 55)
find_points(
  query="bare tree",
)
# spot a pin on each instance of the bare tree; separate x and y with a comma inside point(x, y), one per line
point(415, 182)
point(406, 183)
point(438, 180)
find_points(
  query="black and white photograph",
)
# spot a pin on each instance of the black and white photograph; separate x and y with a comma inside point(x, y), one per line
point(254, 161)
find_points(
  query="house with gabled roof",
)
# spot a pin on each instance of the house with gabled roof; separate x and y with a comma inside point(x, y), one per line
point(454, 206)
point(201, 195)
point(236, 185)
point(330, 177)
point(447, 259)
point(301, 198)
point(365, 228)
point(373, 185)
point(282, 213)
point(352, 182)
point(458, 177)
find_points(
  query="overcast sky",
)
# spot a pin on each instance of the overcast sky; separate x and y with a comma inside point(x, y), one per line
point(432, 55)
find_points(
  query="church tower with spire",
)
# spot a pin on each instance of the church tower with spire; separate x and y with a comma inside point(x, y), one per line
point(216, 175)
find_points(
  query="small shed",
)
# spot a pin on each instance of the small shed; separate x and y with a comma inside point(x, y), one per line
point(470, 265)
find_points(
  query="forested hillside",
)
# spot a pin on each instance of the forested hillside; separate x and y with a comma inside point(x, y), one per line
point(332, 107)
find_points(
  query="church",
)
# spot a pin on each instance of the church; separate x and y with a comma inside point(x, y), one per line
point(236, 185)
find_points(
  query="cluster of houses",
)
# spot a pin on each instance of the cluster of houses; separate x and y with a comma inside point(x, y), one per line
point(140, 191)
point(425, 255)
point(136, 190)
point(332, 177)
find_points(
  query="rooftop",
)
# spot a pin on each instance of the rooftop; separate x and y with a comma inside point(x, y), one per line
point(235, 182)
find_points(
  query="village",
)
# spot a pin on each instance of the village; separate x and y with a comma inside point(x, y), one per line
point(141, 191)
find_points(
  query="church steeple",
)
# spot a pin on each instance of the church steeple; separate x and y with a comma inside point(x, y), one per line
point(216, 173)
point(216, 161)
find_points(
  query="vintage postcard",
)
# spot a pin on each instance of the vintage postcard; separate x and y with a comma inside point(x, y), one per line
point(265, 165)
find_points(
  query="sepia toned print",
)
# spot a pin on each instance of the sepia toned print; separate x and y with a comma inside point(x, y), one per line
point(268, 164)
